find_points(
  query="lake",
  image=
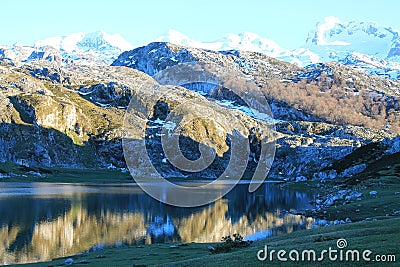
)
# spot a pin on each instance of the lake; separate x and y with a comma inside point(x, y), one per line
point(42, 221)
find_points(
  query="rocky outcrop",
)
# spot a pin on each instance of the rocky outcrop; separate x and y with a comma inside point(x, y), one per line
point(154, 57)
point(48, 53)
point(158, 56)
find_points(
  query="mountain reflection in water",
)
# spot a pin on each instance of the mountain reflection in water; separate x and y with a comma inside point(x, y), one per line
point(41, 221)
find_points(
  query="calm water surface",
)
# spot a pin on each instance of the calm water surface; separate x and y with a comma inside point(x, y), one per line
point(42, 221)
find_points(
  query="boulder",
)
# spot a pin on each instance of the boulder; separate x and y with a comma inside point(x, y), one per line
point(354, 170)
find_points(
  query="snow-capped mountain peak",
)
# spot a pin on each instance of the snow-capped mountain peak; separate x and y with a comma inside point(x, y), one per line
point(83, 42)
point(362, 44)
point(253, 42)
point(101, 40)
point(66, 43)
point(246, 41)
point(99, 44)
point(324, 29)
point(175, 37)
point(354, 36)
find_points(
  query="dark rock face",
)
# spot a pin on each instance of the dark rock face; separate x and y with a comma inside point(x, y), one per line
point(154, 57)
point(50, 54)
point(395, 50)
point(45, 73)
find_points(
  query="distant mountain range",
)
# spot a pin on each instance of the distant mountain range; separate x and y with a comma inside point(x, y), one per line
point(360, 44)
point(364, 45)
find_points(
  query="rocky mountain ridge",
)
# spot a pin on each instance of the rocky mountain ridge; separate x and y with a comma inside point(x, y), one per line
point(71, 115)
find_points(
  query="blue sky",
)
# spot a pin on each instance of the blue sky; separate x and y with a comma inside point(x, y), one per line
point(286, 22)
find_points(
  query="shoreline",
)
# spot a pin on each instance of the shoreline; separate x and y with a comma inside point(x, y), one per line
point(11, 172)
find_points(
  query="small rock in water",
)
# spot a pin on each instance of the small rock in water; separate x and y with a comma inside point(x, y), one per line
point(348, 220)
point(68, 261)
point(372, 193)
point(83, 262)
point(211, 248)
point(173, 246)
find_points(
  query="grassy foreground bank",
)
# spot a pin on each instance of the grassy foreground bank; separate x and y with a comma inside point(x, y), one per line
point(381, 237)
